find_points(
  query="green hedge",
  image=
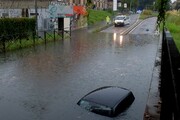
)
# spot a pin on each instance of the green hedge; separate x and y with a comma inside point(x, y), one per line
point(11, 28)
point(147, 12)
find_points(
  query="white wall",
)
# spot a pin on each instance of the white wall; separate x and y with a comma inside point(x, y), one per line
point(67, 24)
point(11, 12)
point(43, 18)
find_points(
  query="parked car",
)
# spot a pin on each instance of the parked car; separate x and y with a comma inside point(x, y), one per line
point(108, 101)
point(138, 11)
point(121, 20)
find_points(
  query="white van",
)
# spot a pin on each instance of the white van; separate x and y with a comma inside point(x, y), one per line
point(121, 20)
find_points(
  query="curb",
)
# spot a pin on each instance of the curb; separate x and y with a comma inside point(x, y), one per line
point(153, 105)
point(98, 29)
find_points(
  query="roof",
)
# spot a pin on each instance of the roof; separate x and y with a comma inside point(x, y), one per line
point(19, 4)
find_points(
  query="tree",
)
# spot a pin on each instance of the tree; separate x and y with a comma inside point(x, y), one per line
point(89, 4)
point(163, 6)
point(135, 4)
point(156, 5)
point(177, 7)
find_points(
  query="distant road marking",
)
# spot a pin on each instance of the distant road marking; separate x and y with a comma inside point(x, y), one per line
point(131, 28)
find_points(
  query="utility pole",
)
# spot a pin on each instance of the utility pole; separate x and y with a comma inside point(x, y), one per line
point(114, 5)
point(36, 16)
point(130, 5)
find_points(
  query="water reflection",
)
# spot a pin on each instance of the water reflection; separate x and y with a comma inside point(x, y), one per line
point(121, 40)
point(118, 39)
point(114, 36)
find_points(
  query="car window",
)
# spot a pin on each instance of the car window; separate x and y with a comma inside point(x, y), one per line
point(96, 108)
point(119, 18)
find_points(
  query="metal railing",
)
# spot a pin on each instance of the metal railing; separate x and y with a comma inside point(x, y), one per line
point(22, 38)
point(170, 79)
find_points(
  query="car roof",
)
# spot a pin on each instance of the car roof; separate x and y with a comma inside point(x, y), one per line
point(108, 96)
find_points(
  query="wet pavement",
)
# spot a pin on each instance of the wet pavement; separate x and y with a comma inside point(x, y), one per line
point(133, 19)
point(46, 82)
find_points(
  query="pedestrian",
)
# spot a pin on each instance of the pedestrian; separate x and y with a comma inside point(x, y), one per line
point(107, 19)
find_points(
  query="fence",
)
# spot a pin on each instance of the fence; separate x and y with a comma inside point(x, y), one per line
point(170, 79)
point(21, 40)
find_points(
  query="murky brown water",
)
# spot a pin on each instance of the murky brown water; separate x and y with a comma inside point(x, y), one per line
point(45, 83)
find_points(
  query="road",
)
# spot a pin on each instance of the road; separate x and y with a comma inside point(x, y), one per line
point(46, 82)
point(112, 29)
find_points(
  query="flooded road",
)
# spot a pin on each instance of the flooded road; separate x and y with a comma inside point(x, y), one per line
point(46, 82)
point(133, 19)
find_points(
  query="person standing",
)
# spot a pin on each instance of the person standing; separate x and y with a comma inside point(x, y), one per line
point(107, 20)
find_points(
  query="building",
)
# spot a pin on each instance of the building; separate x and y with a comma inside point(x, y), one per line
point(20, 4)
point(29, 8)
point(77, 2)
point(14, 4)
point(102, 4)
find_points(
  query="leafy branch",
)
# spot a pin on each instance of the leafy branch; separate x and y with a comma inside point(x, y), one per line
point(163, 6)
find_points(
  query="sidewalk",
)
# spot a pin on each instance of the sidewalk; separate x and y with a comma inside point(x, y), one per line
point(153, 106)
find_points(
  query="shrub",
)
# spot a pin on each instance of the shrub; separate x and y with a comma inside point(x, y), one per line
point(147, 12)
point(16, 27)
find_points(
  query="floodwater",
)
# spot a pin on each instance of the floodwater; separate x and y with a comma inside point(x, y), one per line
point(46, 82)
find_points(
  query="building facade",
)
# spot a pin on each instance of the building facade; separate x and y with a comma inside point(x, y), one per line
point(12, 4)
point(100, 4)
point(27, 8)
point(16, 4)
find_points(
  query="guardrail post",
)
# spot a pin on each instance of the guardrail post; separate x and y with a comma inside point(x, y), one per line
point(63, 34)
point(4, 44)
point(54, 35)
point(45, 36)
point(33, 36)
point(20, 40)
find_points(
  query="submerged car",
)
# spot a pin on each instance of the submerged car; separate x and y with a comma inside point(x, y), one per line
point(108, 101)
point(121, 20)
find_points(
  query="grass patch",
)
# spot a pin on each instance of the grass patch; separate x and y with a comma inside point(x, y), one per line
point(29, 42)
point(147, 14)
point(173, 25)
point(97, 16)
point(177, 40)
